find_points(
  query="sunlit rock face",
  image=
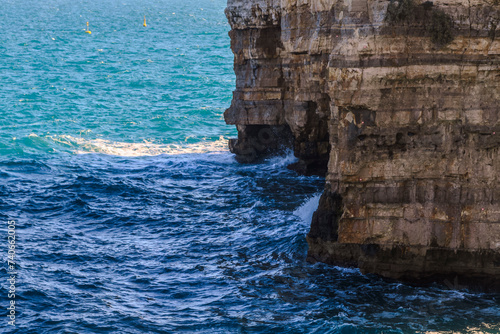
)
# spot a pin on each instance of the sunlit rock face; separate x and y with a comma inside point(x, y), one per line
point(397, 104)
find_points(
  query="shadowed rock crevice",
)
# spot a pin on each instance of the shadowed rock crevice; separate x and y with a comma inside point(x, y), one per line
point(256, 142)
point(312, 145)
point(325, 219)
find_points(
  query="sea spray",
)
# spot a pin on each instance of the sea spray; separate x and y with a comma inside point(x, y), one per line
point(306, 210)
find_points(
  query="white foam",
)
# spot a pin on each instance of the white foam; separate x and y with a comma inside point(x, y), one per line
point(306, 210)
point(282, 160)
point(86, 146)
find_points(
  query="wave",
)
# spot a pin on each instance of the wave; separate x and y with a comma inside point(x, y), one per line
point(306, 210)
point(124, 149)
point(282, 160)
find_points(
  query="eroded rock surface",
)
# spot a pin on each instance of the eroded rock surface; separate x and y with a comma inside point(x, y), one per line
point(397, 103)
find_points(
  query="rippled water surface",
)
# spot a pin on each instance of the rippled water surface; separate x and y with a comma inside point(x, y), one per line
point(132, 216)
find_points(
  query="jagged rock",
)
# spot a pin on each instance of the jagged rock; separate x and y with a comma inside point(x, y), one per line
point(398, 102)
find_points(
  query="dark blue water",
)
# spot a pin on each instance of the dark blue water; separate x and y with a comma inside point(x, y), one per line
point(132, 216)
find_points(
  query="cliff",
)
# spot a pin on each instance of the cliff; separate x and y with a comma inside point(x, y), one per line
point(397, 104)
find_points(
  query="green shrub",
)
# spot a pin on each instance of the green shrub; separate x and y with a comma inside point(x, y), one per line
point(400, 11)
point(441, 28)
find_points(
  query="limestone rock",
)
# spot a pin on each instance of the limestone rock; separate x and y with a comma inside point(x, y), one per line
point(397, 103)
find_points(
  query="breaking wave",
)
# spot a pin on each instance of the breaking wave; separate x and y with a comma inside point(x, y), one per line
point(124, 149)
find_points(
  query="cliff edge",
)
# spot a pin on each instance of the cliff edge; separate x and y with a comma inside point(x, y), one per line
point(397, 104)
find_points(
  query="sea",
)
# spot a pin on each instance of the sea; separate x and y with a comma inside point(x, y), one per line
point(123, 211)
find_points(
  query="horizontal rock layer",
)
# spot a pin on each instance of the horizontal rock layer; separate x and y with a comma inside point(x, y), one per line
point(397, 103)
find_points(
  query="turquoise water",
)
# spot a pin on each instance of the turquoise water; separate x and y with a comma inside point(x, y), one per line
point(132, 216)
point(164, 84)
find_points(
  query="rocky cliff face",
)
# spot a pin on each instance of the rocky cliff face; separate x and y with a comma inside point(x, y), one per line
point(397, 104)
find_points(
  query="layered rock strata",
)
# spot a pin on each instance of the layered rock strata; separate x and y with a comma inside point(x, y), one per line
point(397, 104)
